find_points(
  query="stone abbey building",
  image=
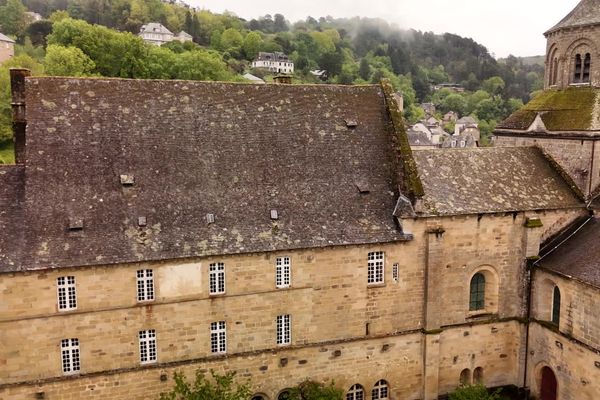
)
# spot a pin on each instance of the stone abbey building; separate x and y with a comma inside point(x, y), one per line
point(287, 232)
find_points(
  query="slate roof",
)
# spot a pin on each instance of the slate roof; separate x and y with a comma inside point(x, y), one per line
point(237, 151)
point(488, 180)
point(579, 256)
point(587, 12)
point(4, 38)
point(155, 27)
point(575, 111)
point(418, 138)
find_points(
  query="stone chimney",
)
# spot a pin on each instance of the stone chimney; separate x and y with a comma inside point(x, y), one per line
point(17, 86)
point(284, 79)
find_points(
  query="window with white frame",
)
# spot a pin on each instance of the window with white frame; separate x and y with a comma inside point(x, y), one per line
point(70, 356)
point(375, 268)
point(67, 297)
point(218, 337)
point(147, 346)
point(284, 329)
point(380, 390)
point(145, 285)
point(283, 272)
point(356, 392)
point(216, 277)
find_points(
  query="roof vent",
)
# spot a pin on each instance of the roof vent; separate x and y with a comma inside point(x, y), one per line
point(75, 223)
point(274, 214)
point(142, 221)
point(363, 187)
point(126, 180)
point(210, 218)
point(351, 123)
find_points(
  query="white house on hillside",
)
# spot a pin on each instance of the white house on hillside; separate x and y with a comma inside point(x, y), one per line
point(158, 34)
point(274, 62)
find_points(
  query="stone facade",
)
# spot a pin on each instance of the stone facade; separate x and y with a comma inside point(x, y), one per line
point(7, 48)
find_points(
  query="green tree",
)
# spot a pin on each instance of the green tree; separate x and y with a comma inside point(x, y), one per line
point(493, 85)
point(231, 39)
point(364, 71)
point(220, 387)
point(13, 19)
point(311, 390)
point(473, 392)
point(252, 45)
point(67, 61)
point(454, 102)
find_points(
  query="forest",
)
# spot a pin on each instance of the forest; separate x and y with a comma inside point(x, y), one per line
point(99, 38)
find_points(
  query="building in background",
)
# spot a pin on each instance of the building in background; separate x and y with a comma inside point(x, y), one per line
point(274, 62)
point(7, 48)
point(158, 34)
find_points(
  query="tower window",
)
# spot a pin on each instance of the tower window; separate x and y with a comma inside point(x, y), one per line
point(477, 292)
point(556, 306)
point(145, 285)
point(216, 278)
point(147, 346)
point(70, 356)
point(67, 297)
point(582, 68)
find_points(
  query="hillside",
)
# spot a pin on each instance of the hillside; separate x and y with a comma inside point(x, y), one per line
point(98, 37)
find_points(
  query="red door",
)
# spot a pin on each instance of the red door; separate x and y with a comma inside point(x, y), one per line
point(548, 389)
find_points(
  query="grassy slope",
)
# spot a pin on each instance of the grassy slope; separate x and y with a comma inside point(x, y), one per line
point(7, 155)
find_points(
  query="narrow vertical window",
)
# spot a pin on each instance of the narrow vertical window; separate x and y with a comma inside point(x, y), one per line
point(478, 376)
point(218, 337)
point(217, 278)
point(587, 61)
point(477, 292)
point(375, 268)
point(70, 356)
point(380, 390)
point(67, 296)
point(555, 72)
point(283, 272)
point(356, 392)
point(284, 329)
point(578, 69)
point(556, 306)
point(147, 346)
point(145, 285)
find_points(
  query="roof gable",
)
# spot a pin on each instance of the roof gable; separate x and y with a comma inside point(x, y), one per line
point(587, 12)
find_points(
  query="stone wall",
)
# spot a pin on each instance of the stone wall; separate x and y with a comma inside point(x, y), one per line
point(7, 50)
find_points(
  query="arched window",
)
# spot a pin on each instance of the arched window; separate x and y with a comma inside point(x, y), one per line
point(477, 292)
point(556, 306)
point(356, 392)
point(478, 375)
point(260, 397)
point(284, 395)
point(587, 61)
point(554, 72)
point(578, 69)
point(380, 390)
point(465, 377)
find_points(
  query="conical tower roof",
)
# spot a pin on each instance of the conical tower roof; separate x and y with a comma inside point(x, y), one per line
point(587, 12)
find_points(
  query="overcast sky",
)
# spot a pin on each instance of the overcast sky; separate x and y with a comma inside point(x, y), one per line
point(503, 26)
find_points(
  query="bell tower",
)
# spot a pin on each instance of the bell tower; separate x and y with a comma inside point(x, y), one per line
point(572, 57)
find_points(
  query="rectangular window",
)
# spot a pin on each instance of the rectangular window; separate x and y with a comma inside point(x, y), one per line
point(284, 329)
point(283, 272)
point(147, 346)
point(217, 278)
point(67, 297)
point(70, 356)
point(145, 285)
point(375, 268)
point(218, 337)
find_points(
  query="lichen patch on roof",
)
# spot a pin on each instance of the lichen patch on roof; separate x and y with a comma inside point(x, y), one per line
point(236, 151)
point(570, 110)
point(486, 180)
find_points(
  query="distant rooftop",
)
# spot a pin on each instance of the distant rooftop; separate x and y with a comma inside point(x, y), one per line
point(4, 38)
